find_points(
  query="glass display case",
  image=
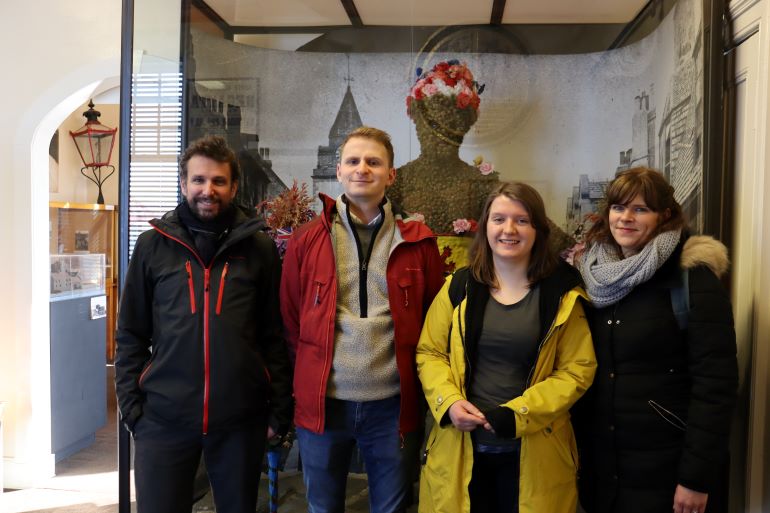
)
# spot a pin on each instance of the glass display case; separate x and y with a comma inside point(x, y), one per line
point(84, 230)
point(77, 276)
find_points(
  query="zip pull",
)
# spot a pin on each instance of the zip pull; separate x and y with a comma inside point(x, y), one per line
point(406, 298)
point(363, 266)
point(403, 442)
point(190, 285)
point(221, 288)
point(317, 300)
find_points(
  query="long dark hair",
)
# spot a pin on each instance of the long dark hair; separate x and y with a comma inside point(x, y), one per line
point(542, 259)
point(657, 194)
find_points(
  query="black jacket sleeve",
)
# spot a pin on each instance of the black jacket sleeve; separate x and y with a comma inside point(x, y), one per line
point(713, 367)
point(275, 350)
point(134, 335)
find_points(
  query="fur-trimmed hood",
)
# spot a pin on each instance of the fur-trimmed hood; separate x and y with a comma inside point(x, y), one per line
point(705, 250)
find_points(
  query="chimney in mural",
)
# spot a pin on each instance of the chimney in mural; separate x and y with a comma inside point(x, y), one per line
point(325, 173)
point(642, 151)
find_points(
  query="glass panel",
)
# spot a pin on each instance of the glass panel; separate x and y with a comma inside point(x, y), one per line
point(156, 109)
point(556, 108)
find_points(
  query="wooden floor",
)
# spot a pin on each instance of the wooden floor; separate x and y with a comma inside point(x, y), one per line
point(87, 482)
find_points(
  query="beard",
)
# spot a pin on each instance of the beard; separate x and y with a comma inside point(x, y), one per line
point(208, 209)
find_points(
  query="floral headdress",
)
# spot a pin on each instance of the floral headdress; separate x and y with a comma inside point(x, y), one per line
point(449, 78)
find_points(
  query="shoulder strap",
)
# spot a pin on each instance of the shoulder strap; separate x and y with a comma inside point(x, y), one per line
point(680, 300)
point(458, 288)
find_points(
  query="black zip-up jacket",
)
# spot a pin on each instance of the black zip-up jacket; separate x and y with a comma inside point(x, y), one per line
point(218, 359)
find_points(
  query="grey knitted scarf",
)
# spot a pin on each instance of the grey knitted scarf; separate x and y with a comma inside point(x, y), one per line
point(609, 278)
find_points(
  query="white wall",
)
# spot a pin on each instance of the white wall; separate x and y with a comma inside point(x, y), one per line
point(75, 47)
point(751, 248)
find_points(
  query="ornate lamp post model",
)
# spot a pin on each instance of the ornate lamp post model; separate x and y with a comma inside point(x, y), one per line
point(94, 142)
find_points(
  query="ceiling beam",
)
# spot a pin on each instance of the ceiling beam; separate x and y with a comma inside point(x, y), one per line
point(497, 12)
point(352, 12)
point(212, 15)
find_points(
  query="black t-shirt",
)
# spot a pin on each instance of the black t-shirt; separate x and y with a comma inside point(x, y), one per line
point(505, 355)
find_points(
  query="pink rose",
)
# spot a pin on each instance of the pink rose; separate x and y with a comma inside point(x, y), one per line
point(486, 168)
point(460, 226)
point(429, 89)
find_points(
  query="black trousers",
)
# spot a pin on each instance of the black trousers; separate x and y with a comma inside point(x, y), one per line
point(166, 458)
point(494, 486)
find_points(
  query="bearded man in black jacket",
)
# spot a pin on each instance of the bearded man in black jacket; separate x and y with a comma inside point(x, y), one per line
point(201, 366)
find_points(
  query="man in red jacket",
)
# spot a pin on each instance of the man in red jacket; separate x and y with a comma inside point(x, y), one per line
point(357, 282)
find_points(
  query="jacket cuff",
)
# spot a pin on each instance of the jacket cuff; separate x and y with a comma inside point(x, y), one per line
point(503, 421)
point(130, 420)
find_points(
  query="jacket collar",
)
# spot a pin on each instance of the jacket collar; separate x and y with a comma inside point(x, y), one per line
point(171, 226)
point(560, 283)
point(410, 229)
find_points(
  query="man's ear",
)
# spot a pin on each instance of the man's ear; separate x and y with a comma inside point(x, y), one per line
point(391, 176)
point(339, 179)
point(183, 186)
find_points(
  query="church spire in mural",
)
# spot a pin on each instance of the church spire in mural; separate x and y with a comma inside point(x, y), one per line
point(347, 120)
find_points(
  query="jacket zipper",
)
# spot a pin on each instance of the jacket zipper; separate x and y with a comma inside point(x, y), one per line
point(221, 288)
point(206, 356)
point(190, 285)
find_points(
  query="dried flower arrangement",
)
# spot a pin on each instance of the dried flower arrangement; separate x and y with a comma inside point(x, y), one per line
point(286, 212)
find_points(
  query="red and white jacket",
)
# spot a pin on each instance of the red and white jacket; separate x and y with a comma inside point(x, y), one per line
point(309, 303)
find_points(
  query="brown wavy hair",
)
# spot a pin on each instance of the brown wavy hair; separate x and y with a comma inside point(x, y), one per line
point(214, 147)
point(542, 260)
point(657, 193)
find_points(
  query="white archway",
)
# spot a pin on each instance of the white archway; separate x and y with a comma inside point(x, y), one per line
point(27, 419)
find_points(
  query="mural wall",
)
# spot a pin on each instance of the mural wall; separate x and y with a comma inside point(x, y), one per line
point(565, 124)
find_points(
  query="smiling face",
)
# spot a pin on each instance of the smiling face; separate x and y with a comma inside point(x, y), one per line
point(510, 233)
point(208, 188)
point(633, 224)
point(364, 170)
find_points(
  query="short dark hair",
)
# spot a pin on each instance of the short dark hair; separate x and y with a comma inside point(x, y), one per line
point(542, 260)
point(375, 134)
point(215, 148)
point(657, 194)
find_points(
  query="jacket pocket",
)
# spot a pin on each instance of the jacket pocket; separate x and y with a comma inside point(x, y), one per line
point(190, 285)
point(668, 415)
point(428, 445)
point(144, 373)
point(221, 292)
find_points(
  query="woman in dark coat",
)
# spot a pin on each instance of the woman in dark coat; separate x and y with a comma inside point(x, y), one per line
point(653, 430)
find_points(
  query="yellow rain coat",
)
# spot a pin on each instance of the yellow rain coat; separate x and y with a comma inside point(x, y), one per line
point(564, 369)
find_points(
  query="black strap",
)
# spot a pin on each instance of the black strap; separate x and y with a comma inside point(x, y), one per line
point(680, 300)
point(458, 289)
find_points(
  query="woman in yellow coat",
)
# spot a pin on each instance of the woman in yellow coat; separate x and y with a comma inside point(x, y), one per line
point(519, 354)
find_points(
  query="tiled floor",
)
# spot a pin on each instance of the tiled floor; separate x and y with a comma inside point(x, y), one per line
point(87, 482)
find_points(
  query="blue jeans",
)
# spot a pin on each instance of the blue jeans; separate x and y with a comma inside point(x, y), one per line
point(373, 425)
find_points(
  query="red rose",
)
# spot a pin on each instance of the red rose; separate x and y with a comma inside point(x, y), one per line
point(463, 100)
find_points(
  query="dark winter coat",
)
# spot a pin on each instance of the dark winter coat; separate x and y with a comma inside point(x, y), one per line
point(659, 411)
point(218, 358)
